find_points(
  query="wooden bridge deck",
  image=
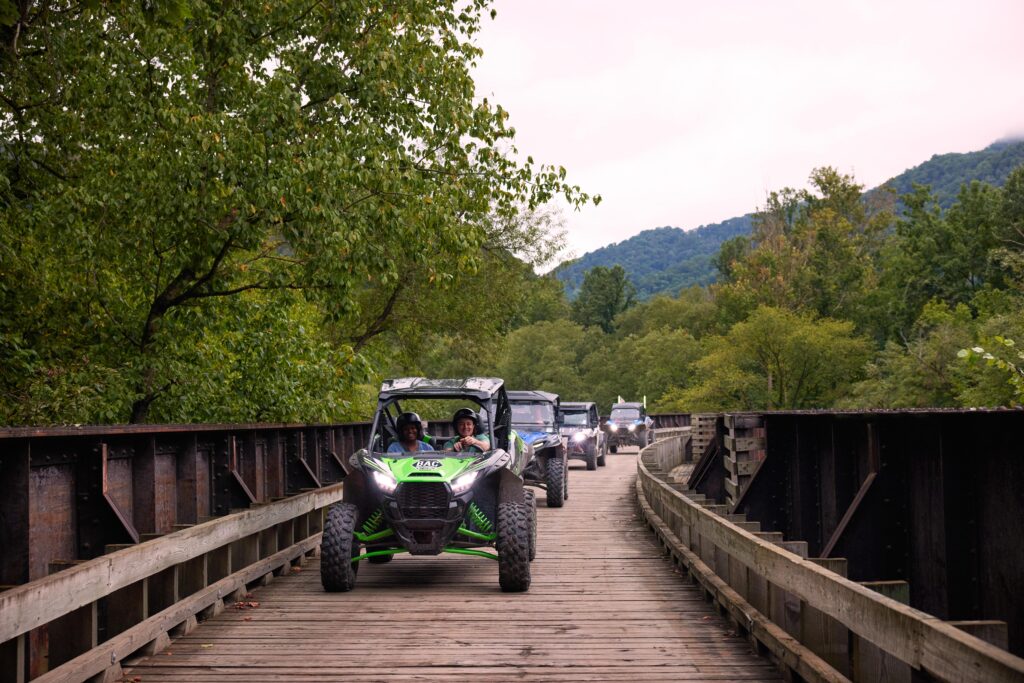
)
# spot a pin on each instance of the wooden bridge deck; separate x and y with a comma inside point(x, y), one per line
point(604, 605)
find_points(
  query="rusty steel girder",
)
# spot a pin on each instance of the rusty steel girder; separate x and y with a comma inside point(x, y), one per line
point(930, 497)
point(68, 494)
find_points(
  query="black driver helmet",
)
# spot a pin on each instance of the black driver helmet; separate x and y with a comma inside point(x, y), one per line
point(464, 413)
point(408, 419)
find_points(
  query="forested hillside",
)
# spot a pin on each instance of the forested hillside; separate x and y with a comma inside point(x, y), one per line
point(831, 301)
point(945, 173)
point(665, 260)
point(660, 260)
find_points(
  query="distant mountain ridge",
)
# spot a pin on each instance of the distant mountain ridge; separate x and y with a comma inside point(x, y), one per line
point(663, 259)
point(667, 259)
point(945, 173)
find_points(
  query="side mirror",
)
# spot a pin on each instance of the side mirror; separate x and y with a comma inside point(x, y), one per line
point(353, 459)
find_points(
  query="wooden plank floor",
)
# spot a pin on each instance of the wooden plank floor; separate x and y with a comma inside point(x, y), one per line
point(604, 605)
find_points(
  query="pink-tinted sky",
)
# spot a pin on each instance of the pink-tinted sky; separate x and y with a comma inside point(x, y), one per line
point(685, 113)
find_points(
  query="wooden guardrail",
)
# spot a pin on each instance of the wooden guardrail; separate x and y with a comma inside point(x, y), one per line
point(96, 613)
point(810, 619)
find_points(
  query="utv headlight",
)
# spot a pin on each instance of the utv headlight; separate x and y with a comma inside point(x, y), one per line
point(385, 482)
point(579, 436)
point(611, 426)
point(461, 484)
point(631, 428)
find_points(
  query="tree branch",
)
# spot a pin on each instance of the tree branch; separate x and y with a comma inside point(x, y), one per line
point(378, 325)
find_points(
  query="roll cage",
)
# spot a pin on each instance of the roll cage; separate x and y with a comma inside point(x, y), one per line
point(593, 419)
point(542, 397)
point(487, 393)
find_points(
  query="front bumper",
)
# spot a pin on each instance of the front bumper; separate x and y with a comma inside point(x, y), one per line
point(577, 450)
point(623, 437)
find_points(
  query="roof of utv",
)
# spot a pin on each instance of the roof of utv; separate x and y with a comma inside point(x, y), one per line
point(545, 396)
point(576, 405)
point(478, 387)
point(637, 405)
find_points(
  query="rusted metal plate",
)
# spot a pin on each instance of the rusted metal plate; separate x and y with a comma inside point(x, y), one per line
point(119, 484)
point(165, 498)
point(14, 513)
point(51, 498)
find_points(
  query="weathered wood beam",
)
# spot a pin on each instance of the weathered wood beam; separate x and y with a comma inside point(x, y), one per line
point(39, 602)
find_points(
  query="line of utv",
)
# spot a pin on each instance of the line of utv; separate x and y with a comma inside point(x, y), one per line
point(472, 494)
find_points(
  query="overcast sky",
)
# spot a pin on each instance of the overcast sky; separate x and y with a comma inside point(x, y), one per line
point(686, 113)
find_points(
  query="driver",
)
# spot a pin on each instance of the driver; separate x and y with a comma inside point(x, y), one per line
point(468, 434)
point(410, 435)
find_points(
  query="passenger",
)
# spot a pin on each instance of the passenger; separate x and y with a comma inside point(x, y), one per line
point(410, 435)
point(468, 435)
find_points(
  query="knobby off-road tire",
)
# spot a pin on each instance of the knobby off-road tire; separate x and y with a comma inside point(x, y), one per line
point(338, 547)
point(513, 547)
point(614, 448)
point(555, 479)
point(531, 506)
point(590, 451)
point(565, 481)
point(600, 458)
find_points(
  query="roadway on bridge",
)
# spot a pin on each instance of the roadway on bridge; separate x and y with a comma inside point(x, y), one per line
point(604, 605)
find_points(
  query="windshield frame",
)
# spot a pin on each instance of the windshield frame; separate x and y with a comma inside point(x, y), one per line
point(384, 425)
point(549, 410)
point(570, 417)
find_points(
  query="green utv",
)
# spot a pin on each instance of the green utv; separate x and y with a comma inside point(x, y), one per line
point(434, 499)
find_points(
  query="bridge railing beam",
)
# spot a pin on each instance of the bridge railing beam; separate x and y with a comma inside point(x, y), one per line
point(768, 587)
point(92, 615)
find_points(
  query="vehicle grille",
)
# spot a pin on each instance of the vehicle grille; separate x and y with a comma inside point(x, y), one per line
point(419, 501)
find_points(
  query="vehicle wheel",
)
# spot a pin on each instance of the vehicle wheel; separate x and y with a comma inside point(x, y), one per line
point(380, 559)
point(601, 459)
point(613, 448)
point(531, 506)
point(590, 451)
point(513, 546)
point(338, 547)
point(555, 480)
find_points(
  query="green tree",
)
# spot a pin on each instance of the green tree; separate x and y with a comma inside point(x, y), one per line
point(155, 167)
point(811, 250)
point(604, 294)
point(693, 310)
point(1009, 255)
point(662, 361)
point(545, 356)
point(1005, 357)
point(946, 257)
point(729, 253)
point(992, 374)
point(925, 372)
point(776, 359)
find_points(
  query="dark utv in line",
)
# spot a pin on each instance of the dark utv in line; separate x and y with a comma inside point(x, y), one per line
point(629, 425)
point(535, 419)
point(427, 502)
point(584, 439)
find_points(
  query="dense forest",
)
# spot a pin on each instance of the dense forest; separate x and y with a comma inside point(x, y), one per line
point(837, 299)
point(667, 260)
point(228, 212)
point(207, 217)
